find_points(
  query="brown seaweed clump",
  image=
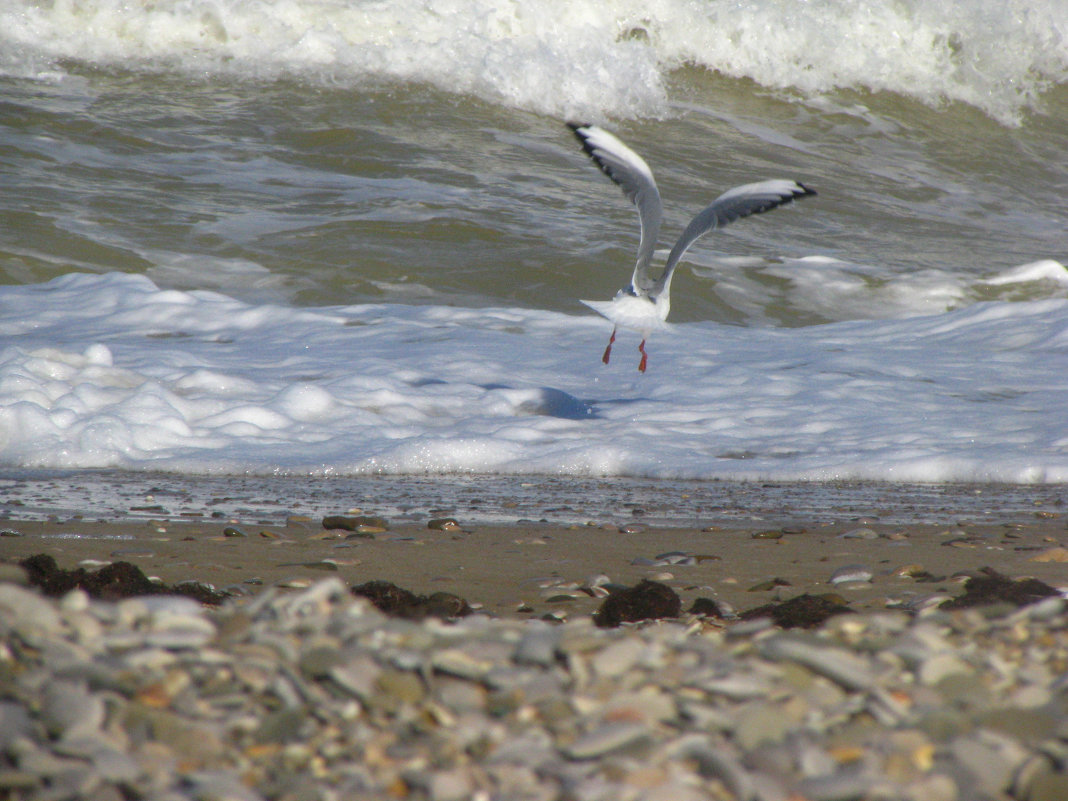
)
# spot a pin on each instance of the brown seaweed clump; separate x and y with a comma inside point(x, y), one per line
point(800, 612)
point(399, 602)
point(647, 600)
point(992, 587)
point(111, 582)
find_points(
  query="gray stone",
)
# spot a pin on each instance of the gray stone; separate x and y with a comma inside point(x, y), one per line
point(14, 724)
point(26, 612)
point(115, 766)
point(69, 710)
point(538, 645)
point(863, 533)
point(606, 739)
point(618, 657)
point(836, 664)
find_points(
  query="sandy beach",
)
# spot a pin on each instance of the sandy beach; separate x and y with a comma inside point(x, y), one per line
point(914, 542)
point(296, 689)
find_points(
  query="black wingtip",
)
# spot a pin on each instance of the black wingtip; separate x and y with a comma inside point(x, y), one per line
point(809, 192)
point(578, 129)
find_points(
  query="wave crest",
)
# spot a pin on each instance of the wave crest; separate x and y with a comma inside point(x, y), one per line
point(571, 57)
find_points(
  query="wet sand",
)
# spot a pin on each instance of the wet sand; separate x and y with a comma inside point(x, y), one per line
point(531, 568)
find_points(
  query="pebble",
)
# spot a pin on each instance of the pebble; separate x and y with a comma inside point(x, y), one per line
point(940, 666)
point(1056, 554)
point(597, 586)
point(70, 711)
point(606, 739)
point(767, 535)
point(912, 570)
point(675, 558)
point(538, 645)
point(444, 524)
point(311, 694)
point(863, 533)
point(618, 658)
point(93, 564)
point(319, 564)
point(852, 573)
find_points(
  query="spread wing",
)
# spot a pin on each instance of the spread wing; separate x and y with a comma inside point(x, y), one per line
point(730, 206)
point(633, 175)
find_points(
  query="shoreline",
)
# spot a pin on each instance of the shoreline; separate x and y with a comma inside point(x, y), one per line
point(535, 569)
point(533, 546)
point(96, 494)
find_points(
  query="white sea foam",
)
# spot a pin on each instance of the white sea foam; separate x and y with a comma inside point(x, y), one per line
point(570, 56)
point(827, 289)
point(110, 371)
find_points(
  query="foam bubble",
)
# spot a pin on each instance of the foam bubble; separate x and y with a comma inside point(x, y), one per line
point(305, 402)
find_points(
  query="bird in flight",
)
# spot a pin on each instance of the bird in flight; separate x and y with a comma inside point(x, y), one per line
point(644, 303)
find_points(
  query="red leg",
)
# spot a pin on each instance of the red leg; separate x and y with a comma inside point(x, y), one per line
point(608, 350)
point(645, 357)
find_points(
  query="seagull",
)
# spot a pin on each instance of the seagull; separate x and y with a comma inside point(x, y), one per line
point(644, 303)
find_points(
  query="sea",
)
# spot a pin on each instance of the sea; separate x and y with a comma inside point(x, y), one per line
point(344, 238)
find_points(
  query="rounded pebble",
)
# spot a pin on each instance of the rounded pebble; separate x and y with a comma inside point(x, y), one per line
point(311, 693)
point(851, 573)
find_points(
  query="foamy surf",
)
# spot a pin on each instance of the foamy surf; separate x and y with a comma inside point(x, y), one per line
point(111, 371)
point(817, 289)
point(569, 57)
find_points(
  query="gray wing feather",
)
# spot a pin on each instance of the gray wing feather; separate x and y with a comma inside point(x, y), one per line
point(634, 177)
point(732, 205)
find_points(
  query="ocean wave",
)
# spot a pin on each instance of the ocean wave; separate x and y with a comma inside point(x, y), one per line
point(568, 57)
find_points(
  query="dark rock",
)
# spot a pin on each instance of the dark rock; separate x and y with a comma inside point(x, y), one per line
point(397, 601)
point(647, 600)
point(803, 611)
point(111, 582)
point(354, 523)
point(993, 587)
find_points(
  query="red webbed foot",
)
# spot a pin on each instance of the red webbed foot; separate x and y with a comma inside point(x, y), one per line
point(608, 350)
